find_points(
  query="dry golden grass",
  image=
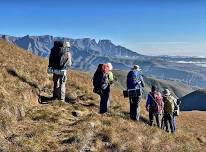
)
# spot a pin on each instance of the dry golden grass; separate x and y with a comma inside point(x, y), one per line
point(27, 125)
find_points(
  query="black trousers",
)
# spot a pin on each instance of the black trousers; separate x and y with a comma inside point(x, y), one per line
point(153, 114)
point(168, 119)
point(134, 108)
point(104, 101)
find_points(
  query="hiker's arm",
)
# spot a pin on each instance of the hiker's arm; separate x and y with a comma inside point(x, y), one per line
point(68, 62)
point(148, 103)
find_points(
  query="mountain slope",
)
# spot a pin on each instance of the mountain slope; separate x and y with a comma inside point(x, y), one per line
point(194, 101)
point(31, 122)
point(87, 54)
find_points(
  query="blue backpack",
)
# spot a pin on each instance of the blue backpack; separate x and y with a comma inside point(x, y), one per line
point(134, 80)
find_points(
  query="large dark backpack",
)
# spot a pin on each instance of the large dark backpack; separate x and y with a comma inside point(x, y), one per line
point(58, 58)
point(97, 79)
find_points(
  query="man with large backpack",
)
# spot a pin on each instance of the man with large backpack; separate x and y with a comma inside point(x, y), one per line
point(135, 83)
point(169, 106)
point(154, 105)
point(59, 62)
point(102, 79)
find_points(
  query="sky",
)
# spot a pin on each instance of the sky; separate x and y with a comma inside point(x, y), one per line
point(150, 27)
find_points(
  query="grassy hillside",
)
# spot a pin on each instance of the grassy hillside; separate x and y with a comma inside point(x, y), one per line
point(29, 121)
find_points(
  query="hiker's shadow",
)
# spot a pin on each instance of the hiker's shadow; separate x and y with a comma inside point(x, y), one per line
point(126, 115)
point(23, 79)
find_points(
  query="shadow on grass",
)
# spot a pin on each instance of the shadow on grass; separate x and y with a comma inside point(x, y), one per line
point(41, 99)
point(126, 115)
point(23, 79)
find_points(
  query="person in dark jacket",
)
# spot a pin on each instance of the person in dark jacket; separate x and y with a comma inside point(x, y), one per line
point(154, 105)
point(102, 80)
point(135, 81)
point(59, 62)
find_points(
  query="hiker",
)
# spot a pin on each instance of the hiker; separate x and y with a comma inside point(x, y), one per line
point(169, 106)
point(135, 83)
point(102, 79)
point(59, 62)
point(154, 105)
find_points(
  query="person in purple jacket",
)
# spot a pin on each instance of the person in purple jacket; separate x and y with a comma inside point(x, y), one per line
point(154, 105)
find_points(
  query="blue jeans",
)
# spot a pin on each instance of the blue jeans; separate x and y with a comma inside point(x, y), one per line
point(134, 108)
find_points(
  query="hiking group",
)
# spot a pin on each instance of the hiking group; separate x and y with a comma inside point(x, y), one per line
point(157, 104)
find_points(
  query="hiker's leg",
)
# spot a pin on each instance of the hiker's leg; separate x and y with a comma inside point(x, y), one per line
point(170, 117)
point(151, 117)
point(62, 87)
point(56, 86)
point(162, 123)
point(166, 121)
point(174, 123)
point(137, 108)
point(131, 108)
point(104, 102)
point(157, 116)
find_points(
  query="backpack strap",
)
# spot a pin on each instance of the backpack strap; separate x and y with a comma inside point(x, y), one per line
point(158, 104)
point(152, 97)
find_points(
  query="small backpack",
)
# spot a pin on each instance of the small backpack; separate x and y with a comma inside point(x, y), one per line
point(168, 104)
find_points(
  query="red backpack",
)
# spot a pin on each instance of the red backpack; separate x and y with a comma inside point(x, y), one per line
point(157, 101)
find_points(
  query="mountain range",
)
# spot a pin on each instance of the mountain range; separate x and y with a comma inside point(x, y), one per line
point(87, 54)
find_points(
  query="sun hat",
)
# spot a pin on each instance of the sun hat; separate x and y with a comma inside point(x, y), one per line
point(67, 44)
point(166, 92)
point(110, 66)
point(136, 67)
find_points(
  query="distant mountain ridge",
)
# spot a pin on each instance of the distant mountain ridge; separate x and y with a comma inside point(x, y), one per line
point(41, 45)
point(87, 54)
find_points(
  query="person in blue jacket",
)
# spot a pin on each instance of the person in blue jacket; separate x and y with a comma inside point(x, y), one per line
point(135, 81)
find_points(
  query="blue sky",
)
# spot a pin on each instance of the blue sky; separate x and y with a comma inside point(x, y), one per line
point(154, 27)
